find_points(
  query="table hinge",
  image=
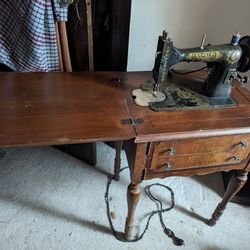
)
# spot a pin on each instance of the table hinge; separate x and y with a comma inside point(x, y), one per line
point(132, 121)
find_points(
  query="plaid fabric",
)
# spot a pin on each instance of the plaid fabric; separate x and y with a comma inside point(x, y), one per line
point(27, 34)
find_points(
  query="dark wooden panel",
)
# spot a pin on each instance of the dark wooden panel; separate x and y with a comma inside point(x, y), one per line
point(78, 36)
point(111, 22)
point(61, 108)
point(85, 152)
point(120, 34)
point(111, 19)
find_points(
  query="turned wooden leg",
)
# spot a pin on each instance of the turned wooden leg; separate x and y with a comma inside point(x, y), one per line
point(118, 149)
point(237, 181)
point(133, 196)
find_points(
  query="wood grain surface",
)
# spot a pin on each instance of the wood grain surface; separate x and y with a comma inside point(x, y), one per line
point(61, 108)
point(198, 160)
point(234, 144)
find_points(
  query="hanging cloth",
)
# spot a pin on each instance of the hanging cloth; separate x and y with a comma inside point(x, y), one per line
point(27, 34)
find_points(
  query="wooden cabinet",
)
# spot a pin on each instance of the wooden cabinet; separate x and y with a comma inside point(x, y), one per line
point(71, 108)
point(187, 142)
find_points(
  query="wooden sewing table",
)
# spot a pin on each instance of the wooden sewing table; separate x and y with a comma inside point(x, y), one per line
point(65, 108)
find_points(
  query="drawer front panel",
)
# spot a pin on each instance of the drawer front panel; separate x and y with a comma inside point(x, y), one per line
point(204, 145)
point(198, 160)
point(202, 152)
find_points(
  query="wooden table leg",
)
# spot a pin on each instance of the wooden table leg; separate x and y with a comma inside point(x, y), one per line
point(237, 181)
point(118, 149)
point(133, 196)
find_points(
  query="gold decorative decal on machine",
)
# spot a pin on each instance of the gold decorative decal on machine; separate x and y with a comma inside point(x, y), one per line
point(209, 55)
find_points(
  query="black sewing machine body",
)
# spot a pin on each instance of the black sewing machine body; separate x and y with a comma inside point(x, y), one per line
point(223, 62)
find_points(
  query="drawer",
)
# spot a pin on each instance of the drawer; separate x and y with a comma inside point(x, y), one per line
point(198, 160)
point(204, 145)
point(201, 152)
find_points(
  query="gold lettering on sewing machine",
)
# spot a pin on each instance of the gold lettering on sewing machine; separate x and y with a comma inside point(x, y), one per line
point(211, 55)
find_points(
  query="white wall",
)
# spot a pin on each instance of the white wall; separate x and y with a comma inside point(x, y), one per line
point(186, 20)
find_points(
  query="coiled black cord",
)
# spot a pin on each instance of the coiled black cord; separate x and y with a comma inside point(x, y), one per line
point(177, 241)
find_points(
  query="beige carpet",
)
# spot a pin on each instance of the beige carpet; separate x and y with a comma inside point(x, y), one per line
point(49, 200)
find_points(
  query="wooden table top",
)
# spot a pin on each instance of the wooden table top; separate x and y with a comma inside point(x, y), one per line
point(65, 108)
point(61, 108)
point(164, 125)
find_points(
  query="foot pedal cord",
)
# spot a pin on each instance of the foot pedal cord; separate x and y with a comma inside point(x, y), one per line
point(177, 241)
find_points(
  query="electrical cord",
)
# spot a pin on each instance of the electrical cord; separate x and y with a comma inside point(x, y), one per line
point(160, 210)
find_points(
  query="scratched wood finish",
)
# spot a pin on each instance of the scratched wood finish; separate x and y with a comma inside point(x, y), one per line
point(162, 126)
point(61, 108)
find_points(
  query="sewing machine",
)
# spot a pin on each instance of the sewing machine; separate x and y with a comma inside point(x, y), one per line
point(223, 63)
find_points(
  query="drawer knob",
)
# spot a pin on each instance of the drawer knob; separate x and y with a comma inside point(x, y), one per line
point(171, 151)
point(243, 144)
point(236, 158)
point(168, 166)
